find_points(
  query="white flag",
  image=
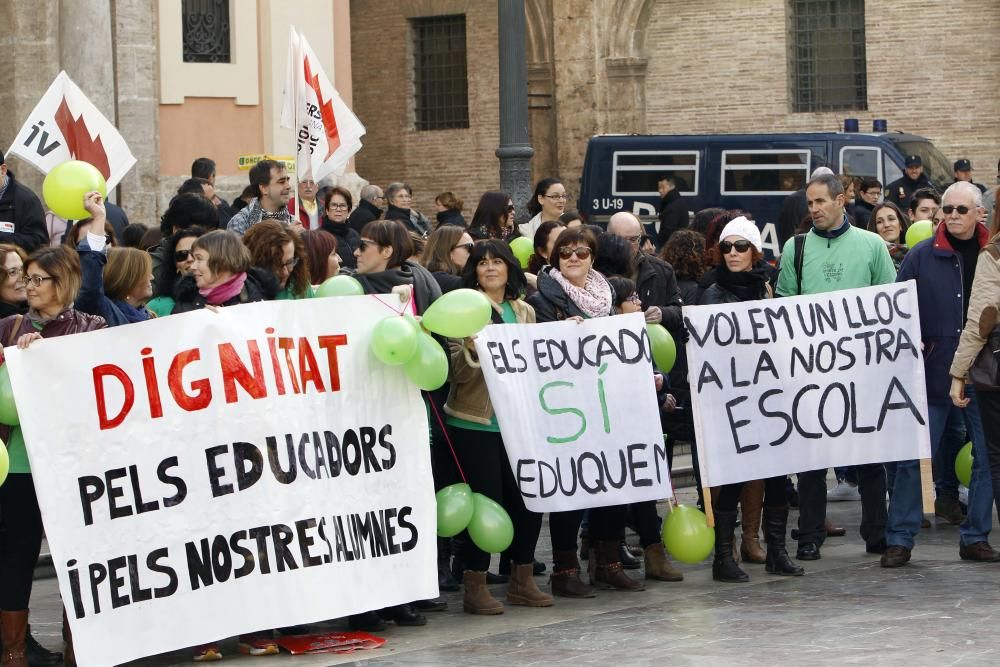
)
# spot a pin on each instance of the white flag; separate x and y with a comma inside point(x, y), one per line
point(327, 132)
point(64, 126)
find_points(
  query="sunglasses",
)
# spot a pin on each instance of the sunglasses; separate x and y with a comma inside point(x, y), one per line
point(182, 255)
point(469, 247)
point(741, 247)
point(962, 210)
point(364, 243)
point(583, 252)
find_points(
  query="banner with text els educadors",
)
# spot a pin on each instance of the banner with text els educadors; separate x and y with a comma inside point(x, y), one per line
point(208, 474)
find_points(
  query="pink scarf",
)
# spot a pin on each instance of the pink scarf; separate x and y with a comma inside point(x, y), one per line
point(220, 294)
point(594, 298)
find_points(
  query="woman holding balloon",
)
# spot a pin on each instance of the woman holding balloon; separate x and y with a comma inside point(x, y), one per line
point(52, 279)
point(478, 444)
point(571, 289)
point(738, 277)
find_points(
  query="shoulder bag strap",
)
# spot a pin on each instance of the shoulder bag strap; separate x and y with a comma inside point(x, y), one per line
point(800, 251)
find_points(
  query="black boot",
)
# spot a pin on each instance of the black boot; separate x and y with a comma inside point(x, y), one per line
point(38, 655)
point(628, 561)
point(446, 582)
point(778, 562)
point(724, 567)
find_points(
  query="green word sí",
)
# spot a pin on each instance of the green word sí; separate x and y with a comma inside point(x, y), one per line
point(576, 412)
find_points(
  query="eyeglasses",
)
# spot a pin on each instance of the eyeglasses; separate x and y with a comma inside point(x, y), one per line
point(635, 240)
point(469, 247)
point(338, 207)
point(364, 243)
point(182, 255)
point(741, 246)
point(948, 208)
point(561, 197)
point(14, 273)
point(290, 264)
point(634, 299)
point(33, 279)
point(583, 252)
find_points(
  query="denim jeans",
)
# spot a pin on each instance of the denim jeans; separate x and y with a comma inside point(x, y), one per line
point(954, 438)
point(906, 508)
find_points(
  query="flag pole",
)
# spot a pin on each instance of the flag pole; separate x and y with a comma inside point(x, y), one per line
point(295, 132)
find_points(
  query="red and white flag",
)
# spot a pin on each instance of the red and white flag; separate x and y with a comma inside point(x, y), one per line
point(64, 126)
point(326, 131)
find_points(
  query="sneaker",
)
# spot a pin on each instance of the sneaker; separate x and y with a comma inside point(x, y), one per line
point(843, 492)
point(258, 643)
point(207, 653)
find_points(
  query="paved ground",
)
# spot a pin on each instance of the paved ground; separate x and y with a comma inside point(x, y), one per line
point(846, 610)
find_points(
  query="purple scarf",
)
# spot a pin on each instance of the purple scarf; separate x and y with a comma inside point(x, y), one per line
point(220, 294)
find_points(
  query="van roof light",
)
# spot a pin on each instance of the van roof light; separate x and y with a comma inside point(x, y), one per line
point(850, 125)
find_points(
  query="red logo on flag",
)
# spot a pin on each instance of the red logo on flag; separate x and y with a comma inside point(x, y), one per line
point(325, 110)
point(78, 140)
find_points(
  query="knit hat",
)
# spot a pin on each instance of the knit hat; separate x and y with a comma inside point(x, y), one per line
point(744, 228)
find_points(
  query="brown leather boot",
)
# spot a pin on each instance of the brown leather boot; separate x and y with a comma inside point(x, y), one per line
point(13, 626)
point(477, 598)
point(522, 589)
point(565, 579)
point(751, 505)
point(609, 570)
point(658, 565)
point(69, 657)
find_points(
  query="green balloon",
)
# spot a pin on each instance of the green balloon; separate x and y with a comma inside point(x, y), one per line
point(490, 527)
point(963, 465)
point(458, 314)
point(4, 463)
point(523, 249)
point(8, 408)
point(918, 231)
point(66, 185)
point(454, 509)
point(428, 368)
point(394, 340)
point(686, 534)
point(340, 286)
point(663, 346)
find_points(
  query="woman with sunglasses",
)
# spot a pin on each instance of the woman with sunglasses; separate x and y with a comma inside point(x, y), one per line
point(338, 209)
point(478, 444)
point(52, 280)
point(889, 222)
point(167, 277)
point(571, 289)
point(494, 218)
point(548, 202)
point(445, 255)
point(281, 252)
point(740, 277)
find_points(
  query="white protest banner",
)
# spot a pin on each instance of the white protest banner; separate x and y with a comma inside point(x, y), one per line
point(65, 125)
point(802, 383)
point(207, 474)
point(576, 404)
point(327, 132)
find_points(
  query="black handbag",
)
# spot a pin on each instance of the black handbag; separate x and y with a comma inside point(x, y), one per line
point(985, 371)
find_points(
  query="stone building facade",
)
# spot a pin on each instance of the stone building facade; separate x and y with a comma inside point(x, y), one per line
point(666, 67)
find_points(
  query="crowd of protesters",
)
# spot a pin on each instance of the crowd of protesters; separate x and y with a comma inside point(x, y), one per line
point(267, 245)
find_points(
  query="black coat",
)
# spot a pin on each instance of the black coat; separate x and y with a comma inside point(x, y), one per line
point(259, 286)
point(347, 241)
point(414, 221)
point(673, 215)
point(450, 216)
point(22, 219)
point(657, 286)
point(862, 213)
point(447, 281)
point(363, 214)
point(901, 189)
point(551, 303)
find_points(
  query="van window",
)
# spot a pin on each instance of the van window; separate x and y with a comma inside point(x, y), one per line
point(636, 172)
point(861, 161)
point(936, 166)
point(764, 172)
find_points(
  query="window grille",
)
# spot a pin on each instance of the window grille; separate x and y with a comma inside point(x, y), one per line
point(206, 31)
point(440, 74)
point(827, 62)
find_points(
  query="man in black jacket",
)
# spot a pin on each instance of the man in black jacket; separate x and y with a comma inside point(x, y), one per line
point(655, 282)
point(913, 178)
point(369, 208)
point(22, 219)
point(673, 208)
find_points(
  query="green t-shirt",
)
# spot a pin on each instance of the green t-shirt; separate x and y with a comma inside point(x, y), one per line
point(509, 317)
point(161, 306)
point(16, 452)
point(287, 294)
point(856, 258)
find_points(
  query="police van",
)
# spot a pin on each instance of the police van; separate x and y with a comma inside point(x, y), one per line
point(753, 172)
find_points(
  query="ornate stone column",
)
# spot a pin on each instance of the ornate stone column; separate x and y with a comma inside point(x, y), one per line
point(515, 150)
